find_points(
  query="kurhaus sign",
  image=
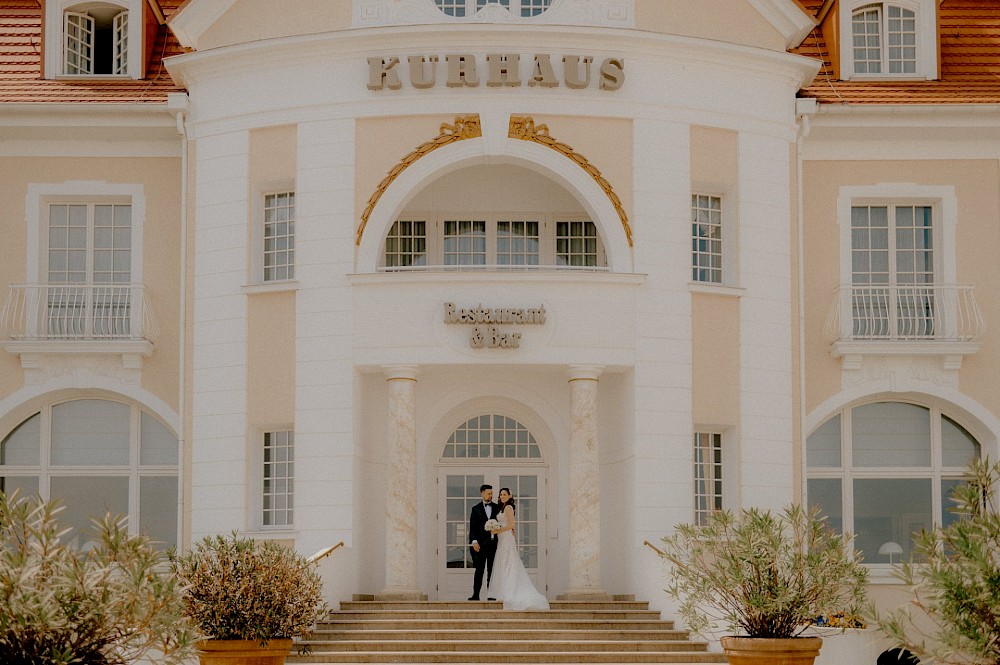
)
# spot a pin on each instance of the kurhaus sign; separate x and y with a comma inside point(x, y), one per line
point(486, 335)
point(501, 70)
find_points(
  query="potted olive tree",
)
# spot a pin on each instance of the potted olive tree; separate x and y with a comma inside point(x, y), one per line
point(113, 604)
point(766, 577)
point(248, 598)
point(954, 613)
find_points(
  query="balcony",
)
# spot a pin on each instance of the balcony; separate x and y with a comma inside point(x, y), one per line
point(78, 318)
point(904, 319)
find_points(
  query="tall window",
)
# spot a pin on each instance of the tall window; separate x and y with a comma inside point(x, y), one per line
point(706, 238)
point(493, 241)
point(884, 471)
point(278, 478)
point(97, 456)
point(89, 262)
point(707, 475)
point(279, 236)
point(884, 40)
point(892, 271)
point(95, 41)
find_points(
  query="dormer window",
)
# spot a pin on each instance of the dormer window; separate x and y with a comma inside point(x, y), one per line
point(94, 38)
point(97, 42)
point(889, 39)
point(469, 8)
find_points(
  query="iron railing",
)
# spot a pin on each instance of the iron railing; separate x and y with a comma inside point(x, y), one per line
point(78, 312)
point(905, 312)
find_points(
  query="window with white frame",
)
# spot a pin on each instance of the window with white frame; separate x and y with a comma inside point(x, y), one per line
point(493, 241)
point(96, 41)
point(278, 479)
point(97, 456)
point(885, 470)
point(706, 239)
point(889, 39)
point(469, 8)
point(707, 475)
point(279, 237)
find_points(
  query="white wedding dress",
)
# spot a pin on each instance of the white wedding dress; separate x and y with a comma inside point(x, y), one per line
point(510, 582)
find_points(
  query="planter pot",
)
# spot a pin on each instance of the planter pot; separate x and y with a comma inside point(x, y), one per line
point(243, 652)
point(771, 651)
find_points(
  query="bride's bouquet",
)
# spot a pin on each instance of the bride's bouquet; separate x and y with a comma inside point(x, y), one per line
point(491, 525)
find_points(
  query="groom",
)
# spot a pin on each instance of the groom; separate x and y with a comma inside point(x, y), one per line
point(484, 544)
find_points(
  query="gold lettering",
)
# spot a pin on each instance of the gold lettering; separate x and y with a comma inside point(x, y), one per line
point(419, 76)
point(571, 71)
point(462, 71)
point(542, 74)
point(612, 73)
point(382, 72)
point(503, 70)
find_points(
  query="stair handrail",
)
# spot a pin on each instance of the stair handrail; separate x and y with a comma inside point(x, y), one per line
point(653, 547)
point(325, 552)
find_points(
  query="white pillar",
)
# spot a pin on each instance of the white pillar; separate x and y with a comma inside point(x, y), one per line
point(400, 522)
point(584, 486)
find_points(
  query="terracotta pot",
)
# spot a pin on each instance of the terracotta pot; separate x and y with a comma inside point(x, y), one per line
point(771, 651)
point(243, 652)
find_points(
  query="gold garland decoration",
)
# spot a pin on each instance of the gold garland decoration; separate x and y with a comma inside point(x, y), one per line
point(464, 127)
point(524, 128)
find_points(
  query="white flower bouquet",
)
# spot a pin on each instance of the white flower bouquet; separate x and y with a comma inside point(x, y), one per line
point(491, 525)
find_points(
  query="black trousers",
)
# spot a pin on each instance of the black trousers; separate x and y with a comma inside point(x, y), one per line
point(483, 560)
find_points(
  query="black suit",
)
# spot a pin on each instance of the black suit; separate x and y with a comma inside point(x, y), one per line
point(483, 559)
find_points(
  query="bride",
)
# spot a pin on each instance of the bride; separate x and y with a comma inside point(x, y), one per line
point(510, 582)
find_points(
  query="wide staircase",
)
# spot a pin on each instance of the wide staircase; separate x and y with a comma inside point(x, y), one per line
point(422, 632)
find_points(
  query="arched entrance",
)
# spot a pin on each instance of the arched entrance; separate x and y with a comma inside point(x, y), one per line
point(490, 448)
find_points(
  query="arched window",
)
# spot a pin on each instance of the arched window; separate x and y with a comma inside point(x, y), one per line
point(95, 40)
point(491, 436)
point(885, 39)
point(97, 456)
point(469, 8)
point(886, 470)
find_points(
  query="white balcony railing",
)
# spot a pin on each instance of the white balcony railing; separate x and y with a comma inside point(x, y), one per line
point(64, 312)
point(905, 314)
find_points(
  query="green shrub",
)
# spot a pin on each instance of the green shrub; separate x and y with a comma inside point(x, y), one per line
point(241, 589)
point(111, 605)
point(954, 615)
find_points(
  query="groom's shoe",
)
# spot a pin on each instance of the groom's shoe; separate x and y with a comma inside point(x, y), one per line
point(474, 598)
point(491, 599)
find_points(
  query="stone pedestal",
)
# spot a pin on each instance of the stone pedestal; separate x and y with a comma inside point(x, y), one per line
point(584, 487)
point(400, 522)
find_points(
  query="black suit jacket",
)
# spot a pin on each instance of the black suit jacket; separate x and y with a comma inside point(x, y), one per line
point(476, 521)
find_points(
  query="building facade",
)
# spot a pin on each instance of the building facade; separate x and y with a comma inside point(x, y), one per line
point(316, 270)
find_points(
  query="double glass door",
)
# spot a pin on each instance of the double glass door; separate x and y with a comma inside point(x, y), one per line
point(458, 492)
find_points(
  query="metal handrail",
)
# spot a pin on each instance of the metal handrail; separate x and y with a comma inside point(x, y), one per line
point(325, 552)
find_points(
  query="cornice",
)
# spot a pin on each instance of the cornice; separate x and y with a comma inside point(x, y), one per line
point(787, 17)
point(195, 17)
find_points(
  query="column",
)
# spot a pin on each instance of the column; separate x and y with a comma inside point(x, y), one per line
point(400, 524)
point(584, 486)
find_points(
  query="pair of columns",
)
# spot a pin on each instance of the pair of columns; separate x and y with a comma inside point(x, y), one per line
point(584, 479)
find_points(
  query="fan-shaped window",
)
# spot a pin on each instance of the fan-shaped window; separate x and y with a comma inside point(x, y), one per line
point(468, 8)
point(886, 470)
point(491, 437)
point(97, 456)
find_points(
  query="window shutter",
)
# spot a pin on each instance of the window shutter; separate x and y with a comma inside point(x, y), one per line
point(121, 44)
point(79, 43)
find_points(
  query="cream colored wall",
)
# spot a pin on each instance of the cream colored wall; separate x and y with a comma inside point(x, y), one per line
point(161, 181)
point(721, 20)
point(253, 20)
point(382, 142)
point(977, 187)
point(192, 160)
point(271, 359)
point(270, 316)
point(715, 360)
point(713, 157)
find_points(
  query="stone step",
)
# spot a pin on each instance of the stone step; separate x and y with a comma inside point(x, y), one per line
point(502, 645)
point(497, 624)
point(476, 605)
point(523, 658)
point(488, 633)
point(473, 616)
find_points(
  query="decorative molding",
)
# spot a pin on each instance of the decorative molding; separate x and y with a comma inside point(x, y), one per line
point(787, 17)
point(465, 127)
point(35, 354)
point(594, 13)
point(524, 128)
point(899, 371)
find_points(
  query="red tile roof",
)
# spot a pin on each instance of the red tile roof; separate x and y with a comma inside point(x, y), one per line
point(970, 62)
point(21, 79)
